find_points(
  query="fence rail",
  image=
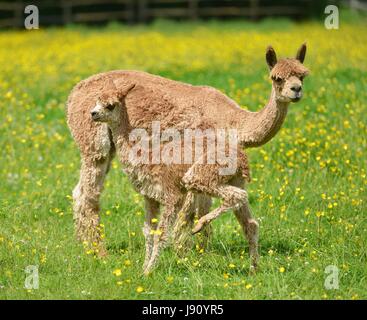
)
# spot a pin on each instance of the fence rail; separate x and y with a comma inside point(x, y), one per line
point(358, 5)
point(141, 11)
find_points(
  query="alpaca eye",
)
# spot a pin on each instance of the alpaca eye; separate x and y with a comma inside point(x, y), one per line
point(278, 80)
point(111, 107)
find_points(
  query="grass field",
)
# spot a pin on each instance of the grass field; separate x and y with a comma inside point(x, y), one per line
point(309, 182)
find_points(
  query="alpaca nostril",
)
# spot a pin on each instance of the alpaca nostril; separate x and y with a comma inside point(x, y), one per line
point(93, 113)
point(296, 88)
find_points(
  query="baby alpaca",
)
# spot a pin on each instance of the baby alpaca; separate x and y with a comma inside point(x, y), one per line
point(169, 185)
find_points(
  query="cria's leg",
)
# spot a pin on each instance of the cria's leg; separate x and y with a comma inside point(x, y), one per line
point(203, 204)
point(184, 220)
point(233, 198)
point(161, 235)
point(86, 202)
point(151, 212)
point(199, 206)
point(251, 230)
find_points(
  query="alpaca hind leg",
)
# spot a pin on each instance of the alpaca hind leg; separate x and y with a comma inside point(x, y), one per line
point(205, 220)
point(251, 230)
point(150, 225)
point(203, 204)
point(249, 226)
point(233, 198)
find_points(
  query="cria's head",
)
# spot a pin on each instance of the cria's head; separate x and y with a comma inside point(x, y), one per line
point(287, 74)
point(109, 106)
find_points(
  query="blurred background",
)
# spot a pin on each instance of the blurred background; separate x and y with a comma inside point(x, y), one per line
point(60, 12)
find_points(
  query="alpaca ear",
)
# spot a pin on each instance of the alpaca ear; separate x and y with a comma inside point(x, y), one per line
point(125, 90)
point(301, 53)
point(271, 57)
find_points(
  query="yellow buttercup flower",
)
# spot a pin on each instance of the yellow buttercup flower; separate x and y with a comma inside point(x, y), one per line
point(117, 272)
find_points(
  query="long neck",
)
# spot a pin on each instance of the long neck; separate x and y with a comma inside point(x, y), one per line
point(257, 128)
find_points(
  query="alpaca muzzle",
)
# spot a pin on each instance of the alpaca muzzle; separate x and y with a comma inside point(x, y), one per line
point(95, 115)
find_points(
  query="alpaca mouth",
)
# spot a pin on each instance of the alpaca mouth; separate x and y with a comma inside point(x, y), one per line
point(297, 97)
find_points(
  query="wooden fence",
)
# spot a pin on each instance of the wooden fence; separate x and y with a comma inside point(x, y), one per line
point(358, 5)
point(140, 11)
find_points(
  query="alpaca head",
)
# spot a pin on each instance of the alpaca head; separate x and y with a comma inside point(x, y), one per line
point(108, 107)
point(287, 74)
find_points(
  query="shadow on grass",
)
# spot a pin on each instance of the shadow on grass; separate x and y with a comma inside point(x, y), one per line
point(281, 246)
point(117, 247)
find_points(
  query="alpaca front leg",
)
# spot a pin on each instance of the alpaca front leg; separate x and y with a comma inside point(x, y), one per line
point(86, 203)
point(251, 230)
point(150, 225)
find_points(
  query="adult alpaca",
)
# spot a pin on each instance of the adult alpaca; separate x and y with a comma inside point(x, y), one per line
point(149, 98)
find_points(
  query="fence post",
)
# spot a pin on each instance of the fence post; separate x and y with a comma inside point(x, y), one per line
point(142, 11)
point(130, 11)
point(254, 6)
point(67, 13)
point(18, 14)
point(193, 9)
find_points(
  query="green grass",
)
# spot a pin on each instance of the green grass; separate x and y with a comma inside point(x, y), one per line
point(309, 182)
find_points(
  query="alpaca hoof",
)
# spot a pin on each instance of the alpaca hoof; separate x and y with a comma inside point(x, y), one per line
point(148, 268)
point(102, 253)
point(147, 271)
point(197, 228)
point(253, 269)
point(145, 264)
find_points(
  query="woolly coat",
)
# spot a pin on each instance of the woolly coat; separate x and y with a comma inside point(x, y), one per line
point(153, 98)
